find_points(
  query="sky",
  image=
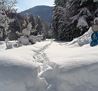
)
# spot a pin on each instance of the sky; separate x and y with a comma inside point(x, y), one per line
point(26, 4)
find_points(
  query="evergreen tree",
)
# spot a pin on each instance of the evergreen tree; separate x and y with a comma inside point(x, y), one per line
point(4, 20)
point(6, 6)
point(39, 25)
point(72, 18)
point(32, 20)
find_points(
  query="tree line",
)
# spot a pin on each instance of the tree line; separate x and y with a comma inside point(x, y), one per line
point(13, 25)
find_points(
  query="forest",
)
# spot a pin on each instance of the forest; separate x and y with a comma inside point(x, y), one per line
point(72, 18)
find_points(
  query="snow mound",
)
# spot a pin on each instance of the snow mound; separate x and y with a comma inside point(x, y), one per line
point(2, 46)
point(84, 39)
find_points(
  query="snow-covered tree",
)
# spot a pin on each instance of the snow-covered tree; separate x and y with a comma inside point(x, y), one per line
point(27, 31)
point(72, 18)
point(3, 17)
point(6, 6)
point(39, 25)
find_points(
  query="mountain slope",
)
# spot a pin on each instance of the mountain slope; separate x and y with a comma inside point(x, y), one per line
point(45, 12)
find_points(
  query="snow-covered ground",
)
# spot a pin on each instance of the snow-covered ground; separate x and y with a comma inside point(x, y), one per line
point(50, 66)
point(72, 68)
point(19, 69)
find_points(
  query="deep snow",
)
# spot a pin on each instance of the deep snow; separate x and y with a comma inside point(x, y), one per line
point(50, 66)
point(19, 71)
point(73, 68)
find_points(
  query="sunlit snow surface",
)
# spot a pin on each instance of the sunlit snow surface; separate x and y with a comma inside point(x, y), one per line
point(73, 68)
point(49, 66)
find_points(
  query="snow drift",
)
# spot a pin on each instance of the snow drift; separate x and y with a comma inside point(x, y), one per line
point(84, 39)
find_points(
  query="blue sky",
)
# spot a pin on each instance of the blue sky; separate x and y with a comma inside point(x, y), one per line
point(26, 4)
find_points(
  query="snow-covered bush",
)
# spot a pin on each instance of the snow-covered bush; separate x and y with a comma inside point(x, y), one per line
point(34, 39)
point(24, 40)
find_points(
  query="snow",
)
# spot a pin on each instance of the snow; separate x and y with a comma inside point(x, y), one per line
point(18, 71)
point(82, 22)
point(2, 46)
point(50, 66)
point(17, 75)
point(73, 68)
point(67, 55)
point(24, 40)
point(82, 40)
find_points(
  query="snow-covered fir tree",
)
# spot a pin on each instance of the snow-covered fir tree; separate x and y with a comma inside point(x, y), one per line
point(3, 18)
point(72, 18)
point(6, 6)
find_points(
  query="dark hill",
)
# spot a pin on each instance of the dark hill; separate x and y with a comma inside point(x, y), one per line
point(45, 12)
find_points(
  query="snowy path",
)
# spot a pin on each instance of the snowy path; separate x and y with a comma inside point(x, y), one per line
point(39, 55)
